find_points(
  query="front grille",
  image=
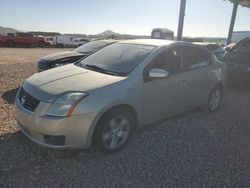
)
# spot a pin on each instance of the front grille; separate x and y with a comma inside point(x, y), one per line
point(27, 101)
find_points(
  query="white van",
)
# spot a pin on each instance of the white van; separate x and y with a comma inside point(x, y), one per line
point(65, 41)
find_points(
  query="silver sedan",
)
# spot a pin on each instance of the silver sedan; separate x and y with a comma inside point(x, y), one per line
point(104, 98)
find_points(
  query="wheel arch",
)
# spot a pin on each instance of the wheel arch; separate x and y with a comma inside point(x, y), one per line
point(128, 107)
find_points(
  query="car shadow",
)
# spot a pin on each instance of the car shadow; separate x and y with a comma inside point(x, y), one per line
point(10, 95)
point(238, 88)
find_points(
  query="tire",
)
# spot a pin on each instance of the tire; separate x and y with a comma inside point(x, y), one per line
point(114, 130)
point(214, 100)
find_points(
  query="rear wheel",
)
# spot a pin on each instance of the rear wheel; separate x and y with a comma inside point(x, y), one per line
point(214, 99)
point(114, 130)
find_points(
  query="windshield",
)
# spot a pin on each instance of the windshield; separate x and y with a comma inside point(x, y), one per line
point(118, 58)
point(91, 47)
point(243, 46)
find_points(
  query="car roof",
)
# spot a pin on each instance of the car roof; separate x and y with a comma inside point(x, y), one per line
point(152, 42)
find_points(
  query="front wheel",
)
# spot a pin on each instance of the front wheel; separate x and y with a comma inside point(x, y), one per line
point(214, 99)
point(113, 130)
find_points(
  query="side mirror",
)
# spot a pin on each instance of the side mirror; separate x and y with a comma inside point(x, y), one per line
point(158, 73)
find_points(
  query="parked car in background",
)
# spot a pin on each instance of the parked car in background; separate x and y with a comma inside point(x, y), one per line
point(103, 98)
point(63, 58)
point(238, 61)
point(239, 35)
point(83, 41)
point(21, 40)
point(218, 51)
point(49, 41)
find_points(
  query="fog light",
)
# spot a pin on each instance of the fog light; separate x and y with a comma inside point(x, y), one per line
point(54, 140)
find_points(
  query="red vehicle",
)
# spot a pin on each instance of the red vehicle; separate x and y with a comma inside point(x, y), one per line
point(22, 40)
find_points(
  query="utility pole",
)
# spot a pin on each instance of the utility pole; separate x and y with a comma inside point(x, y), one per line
point(231, 27)
point(181, 19)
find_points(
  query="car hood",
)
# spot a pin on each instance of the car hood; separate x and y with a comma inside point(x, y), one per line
point(62, 55)
point(235, 57)
point(48, 85)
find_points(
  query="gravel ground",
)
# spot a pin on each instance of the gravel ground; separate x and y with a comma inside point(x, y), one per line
point(193, 149)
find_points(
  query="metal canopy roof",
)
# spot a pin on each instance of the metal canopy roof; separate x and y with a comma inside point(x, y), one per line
point(244, 3)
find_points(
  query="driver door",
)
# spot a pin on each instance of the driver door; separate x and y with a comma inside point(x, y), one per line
point(165, 96)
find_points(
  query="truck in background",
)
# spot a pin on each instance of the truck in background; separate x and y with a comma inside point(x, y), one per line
point(65, 41)
point(162, 33)
point(21, 40)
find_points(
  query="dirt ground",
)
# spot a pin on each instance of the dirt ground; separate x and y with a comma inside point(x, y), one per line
point(193, 149)
point(16, 64)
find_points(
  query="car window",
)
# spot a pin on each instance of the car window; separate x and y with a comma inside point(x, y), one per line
point(170, 61)
point(197, 58)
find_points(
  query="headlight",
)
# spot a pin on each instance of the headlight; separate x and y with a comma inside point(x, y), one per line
point(65, 104)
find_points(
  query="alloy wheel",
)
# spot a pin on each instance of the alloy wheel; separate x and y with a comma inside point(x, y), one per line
point(116, 132)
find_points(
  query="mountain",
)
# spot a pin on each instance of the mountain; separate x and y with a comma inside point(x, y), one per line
point(108, 33)
point(104, 35)
point(4, 30)
point(111, 34)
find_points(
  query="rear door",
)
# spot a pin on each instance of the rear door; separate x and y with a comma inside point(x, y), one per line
point(199, 70)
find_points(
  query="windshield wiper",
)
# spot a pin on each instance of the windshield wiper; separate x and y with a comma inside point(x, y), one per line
point(99, 69)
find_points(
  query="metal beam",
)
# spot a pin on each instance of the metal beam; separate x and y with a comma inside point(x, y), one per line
point(181, 19)
point(231, 27)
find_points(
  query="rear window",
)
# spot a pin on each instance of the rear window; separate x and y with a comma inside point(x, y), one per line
point(197, 58)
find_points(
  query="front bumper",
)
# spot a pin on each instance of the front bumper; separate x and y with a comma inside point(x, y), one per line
point(56, 132)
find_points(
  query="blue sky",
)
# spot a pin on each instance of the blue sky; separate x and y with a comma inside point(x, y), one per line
point(208, 18)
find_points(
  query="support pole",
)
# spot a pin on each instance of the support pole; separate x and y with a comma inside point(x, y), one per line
point(231, 28)
point(181, 19)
